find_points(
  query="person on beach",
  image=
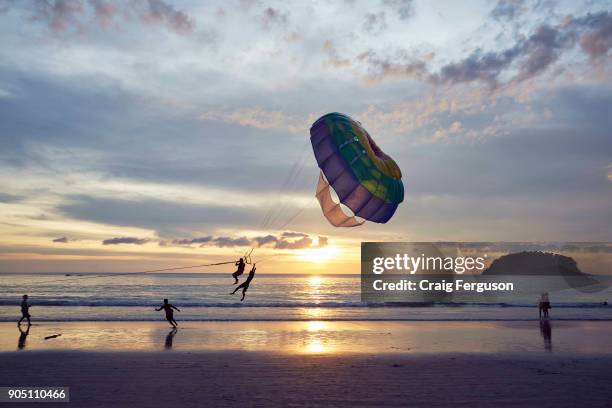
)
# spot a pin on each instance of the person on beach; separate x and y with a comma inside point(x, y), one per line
point(25, 311)
point(169, 309)
point(245, 285)
point(544, 305)
point(240, 264)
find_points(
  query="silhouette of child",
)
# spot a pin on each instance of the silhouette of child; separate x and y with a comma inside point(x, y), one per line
point(245, 285)
point(25, 310)
point(168, 308)
point(240, 264)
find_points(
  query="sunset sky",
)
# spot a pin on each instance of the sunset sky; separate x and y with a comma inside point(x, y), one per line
point(148, 134)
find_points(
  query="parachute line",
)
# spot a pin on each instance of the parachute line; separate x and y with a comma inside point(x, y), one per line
point(134, 273)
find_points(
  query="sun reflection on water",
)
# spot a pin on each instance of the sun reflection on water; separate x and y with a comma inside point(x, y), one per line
point(315, 346)
point(315, 325)
point(315, 281)
point(316, 341)
point(314, 313)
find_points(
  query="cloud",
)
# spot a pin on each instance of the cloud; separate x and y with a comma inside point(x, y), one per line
point(541, 50)
point(375, 23)
point(58, 15)
point(125, 240)
point(508, 9)
point(322, 241)
point(209, 240)
point(400, 66)
point(441, 134)
point(5, 6)
point(287, 240)
point(63, 16)
point(333, 57)
point(61, 240)
point(485, 68)
point(260, 118)
point(9, 198)
point(598, 42)
point(301, 243)
point(104, 11)
point(292, 234)
point(529, 57)
point(272, 17)
point(298, 240)
point(186, 242)
point(159, 12)
point(267, 239)
point(223, 242)
point(403, 8)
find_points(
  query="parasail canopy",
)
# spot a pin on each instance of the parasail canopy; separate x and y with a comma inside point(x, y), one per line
point(365, 179)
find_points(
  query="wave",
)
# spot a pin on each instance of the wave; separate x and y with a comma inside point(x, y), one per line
point(292, 305)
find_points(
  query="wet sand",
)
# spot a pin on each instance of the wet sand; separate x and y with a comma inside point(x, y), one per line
point(310, 364)
point(316, 337)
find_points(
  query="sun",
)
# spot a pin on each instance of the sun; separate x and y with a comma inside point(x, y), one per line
point(318, 255)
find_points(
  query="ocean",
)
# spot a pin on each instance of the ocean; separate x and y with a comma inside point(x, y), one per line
point(271, 297)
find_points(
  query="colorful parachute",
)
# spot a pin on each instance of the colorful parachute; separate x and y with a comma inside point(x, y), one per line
point(365, 179)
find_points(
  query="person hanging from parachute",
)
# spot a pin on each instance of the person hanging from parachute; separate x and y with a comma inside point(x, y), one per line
point(241, 265)
point(366, 181)
point(245, 285)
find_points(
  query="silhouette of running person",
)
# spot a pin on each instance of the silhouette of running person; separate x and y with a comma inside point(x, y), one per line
point(25, 311)
point(240, 264)
point(245, 285)
point(169, 312)
point(170, 338)
point(23, 335)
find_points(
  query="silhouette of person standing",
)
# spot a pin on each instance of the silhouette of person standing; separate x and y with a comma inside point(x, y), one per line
point(245, 285)
point(544, 305)
point(23, 335)
point(240, 264)
point(25, 310)
point(169, 309)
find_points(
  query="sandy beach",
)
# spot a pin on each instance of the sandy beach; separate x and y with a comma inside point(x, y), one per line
point(472, 364)
point(249, 379)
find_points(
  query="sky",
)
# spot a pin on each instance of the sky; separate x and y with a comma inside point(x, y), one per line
point(146, 134)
